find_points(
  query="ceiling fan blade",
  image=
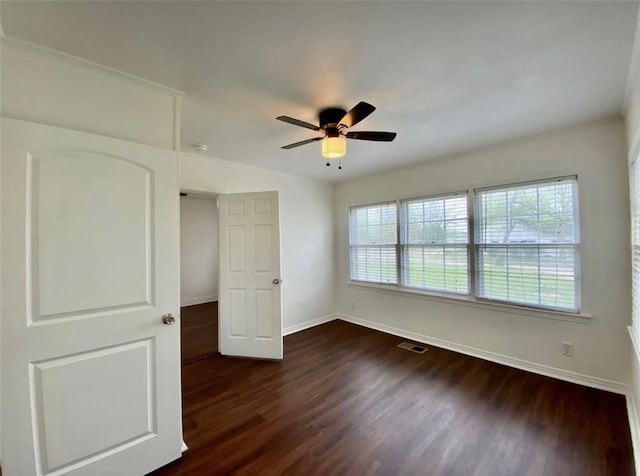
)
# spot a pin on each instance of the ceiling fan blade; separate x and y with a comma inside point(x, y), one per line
point(302, 142)
point(358, 113)
point(297, 122)
point(369, 135)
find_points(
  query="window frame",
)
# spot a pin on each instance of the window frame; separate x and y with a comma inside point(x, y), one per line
point(575, 245)
point(471, 297)
point(397, 244)
point(634, 189)
point(469, 244)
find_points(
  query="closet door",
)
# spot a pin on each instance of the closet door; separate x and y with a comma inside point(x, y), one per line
point(250, 294)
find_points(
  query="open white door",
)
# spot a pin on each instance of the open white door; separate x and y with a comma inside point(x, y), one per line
point(90, 264)
point(249, 297)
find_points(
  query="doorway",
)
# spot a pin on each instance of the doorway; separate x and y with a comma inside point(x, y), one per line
point(199, 276)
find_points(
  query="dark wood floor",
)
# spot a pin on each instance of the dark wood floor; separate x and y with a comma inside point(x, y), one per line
point(199, 327)
point(345, 400)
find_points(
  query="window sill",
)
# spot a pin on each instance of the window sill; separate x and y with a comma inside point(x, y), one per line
point(462, 300)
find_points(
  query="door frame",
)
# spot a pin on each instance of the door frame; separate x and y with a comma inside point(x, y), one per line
point(215, 192)
point(209, 193)
point(213, 196)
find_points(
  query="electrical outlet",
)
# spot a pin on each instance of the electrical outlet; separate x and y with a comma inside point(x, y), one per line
point(353, 304)
point(567, 348)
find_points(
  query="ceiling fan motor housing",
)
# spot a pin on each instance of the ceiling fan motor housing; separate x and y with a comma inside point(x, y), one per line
point(330, 117)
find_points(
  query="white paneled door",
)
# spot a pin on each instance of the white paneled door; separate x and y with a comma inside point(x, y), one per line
point(90, 265)
point(249, 296)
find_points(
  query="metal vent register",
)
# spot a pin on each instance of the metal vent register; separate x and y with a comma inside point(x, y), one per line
point(418, 349)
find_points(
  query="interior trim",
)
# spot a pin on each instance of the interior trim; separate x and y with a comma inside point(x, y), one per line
point(198, 300)
point(50, 52)
point(465, 300)
point(308, 324)
point(554, 372)
point(561, 374)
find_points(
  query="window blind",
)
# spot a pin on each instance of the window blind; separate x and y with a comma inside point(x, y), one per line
point(635, 241)
point(373, 237)
point(526, 240)
point(435, 240)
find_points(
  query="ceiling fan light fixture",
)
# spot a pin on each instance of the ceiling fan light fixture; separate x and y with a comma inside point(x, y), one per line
point(334, 147)
point(335, 125)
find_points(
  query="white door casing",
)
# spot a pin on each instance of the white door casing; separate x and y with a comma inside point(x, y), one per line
point(90, 375)
point(250, 311)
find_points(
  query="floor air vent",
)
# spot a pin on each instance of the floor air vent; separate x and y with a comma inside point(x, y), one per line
point(418, 349)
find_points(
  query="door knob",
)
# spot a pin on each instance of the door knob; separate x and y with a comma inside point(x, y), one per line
point(276, 281)
point(168, 319)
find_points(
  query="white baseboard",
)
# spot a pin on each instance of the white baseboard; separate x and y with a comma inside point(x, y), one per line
point(307, 324)
point(554, 372)
point(198, 300)
point(561, 374)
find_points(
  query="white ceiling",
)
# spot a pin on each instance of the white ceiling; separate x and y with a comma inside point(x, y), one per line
point(446, 76)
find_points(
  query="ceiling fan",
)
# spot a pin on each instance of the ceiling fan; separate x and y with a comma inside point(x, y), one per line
point(335, 124)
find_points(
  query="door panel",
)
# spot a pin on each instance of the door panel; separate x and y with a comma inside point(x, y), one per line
point(238, 312)
point(119, 373)
point(237, 259)
point(105, 203)
point(264, 313)
point(90, 375)
point(264, 247)
point(249, 299)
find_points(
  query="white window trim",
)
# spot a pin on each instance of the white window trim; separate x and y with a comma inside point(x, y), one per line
point(635, 217)
point(469, 301)
point(576, 245)
point(396, 245)
point(468, 245)
point(470, 298)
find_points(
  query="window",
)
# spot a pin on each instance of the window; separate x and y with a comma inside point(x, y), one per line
point(526, 244)
point(435, 241)
point(522, 249)
point(373, 237)
point(635, 241)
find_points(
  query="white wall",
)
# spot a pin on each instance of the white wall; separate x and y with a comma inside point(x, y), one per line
point(44, 86)
point(306, 229)
point(198, 250)
point(596, 153)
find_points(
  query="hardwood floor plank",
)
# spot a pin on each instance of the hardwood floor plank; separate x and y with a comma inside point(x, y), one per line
point(199, 330)
point(347, 400)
